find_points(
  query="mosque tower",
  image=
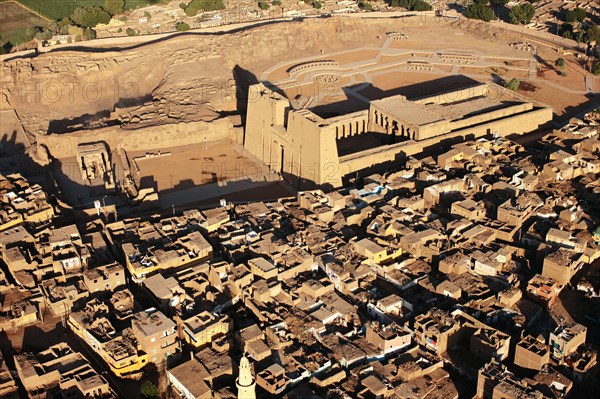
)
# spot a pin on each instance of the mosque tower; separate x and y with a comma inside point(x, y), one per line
point(245, 382)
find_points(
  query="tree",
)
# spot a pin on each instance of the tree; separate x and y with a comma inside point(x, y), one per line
point(521, 14)
point(63, 25)
point(90, 16)
point(76, 31)
point(89, 34)
point(44, 34)
point(593, 33)
point(205, 5)
point(575, 15)
point(580, 14)
point(479, 11)
point(182, 27)
point(190, 10)
point(263, 5)
point(114, 7)
point(130, 32)
point(499, 2)
point(421, 6)
point(560, 63)
point(566, 28)
point(513, 84)
point(411, 5)
point(566, 31)
point(149, 390)
point(365, 5)
point(596, 68)
point(276, 2)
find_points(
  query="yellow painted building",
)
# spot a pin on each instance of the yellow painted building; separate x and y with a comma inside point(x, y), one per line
point(200, 330)
point(15, 220)
point(120, 354)
point(375, 253)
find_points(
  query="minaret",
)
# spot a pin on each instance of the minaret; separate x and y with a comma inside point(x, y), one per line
point(245, 382)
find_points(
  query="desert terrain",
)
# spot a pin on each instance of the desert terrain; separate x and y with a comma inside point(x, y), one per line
point(197, 76)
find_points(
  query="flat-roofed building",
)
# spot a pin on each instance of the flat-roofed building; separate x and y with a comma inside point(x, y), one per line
point(468, 209)
point(457, 263)
point(272, 379)
point(532, 353)
point(436, 330)
point(117, 348)
point(261, 267)
point(203, 328)
point(564, 239)
point(387, 338)
point(488, 343)
point(189, 380)
point(8, 386)
point(565, 339)
point(561, 265)
point(60, 369)
point(542, 289)
point(104, 278)
point(156, 334)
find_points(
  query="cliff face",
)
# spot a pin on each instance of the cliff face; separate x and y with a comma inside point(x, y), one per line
point(184, 78)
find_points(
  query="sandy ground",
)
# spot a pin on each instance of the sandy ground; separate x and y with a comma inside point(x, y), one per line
point(351, 56)
point(11, 131)
point(414, 85)
point(372, 73)
point(195, 71)
point(268, 191)
point(194, 165)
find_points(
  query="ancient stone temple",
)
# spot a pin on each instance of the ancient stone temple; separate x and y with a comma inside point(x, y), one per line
point(323, 150)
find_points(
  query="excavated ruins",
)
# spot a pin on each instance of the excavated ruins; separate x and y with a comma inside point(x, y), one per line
point(188, 77)
point(191, 88)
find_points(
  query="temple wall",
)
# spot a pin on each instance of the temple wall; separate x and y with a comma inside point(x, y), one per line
point(147, 138)
point(517, 124)
point(435, 129)
point(299, 143)
point(455, 95)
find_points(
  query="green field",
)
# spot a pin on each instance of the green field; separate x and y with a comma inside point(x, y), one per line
point(59, 9)
point(16, 23)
